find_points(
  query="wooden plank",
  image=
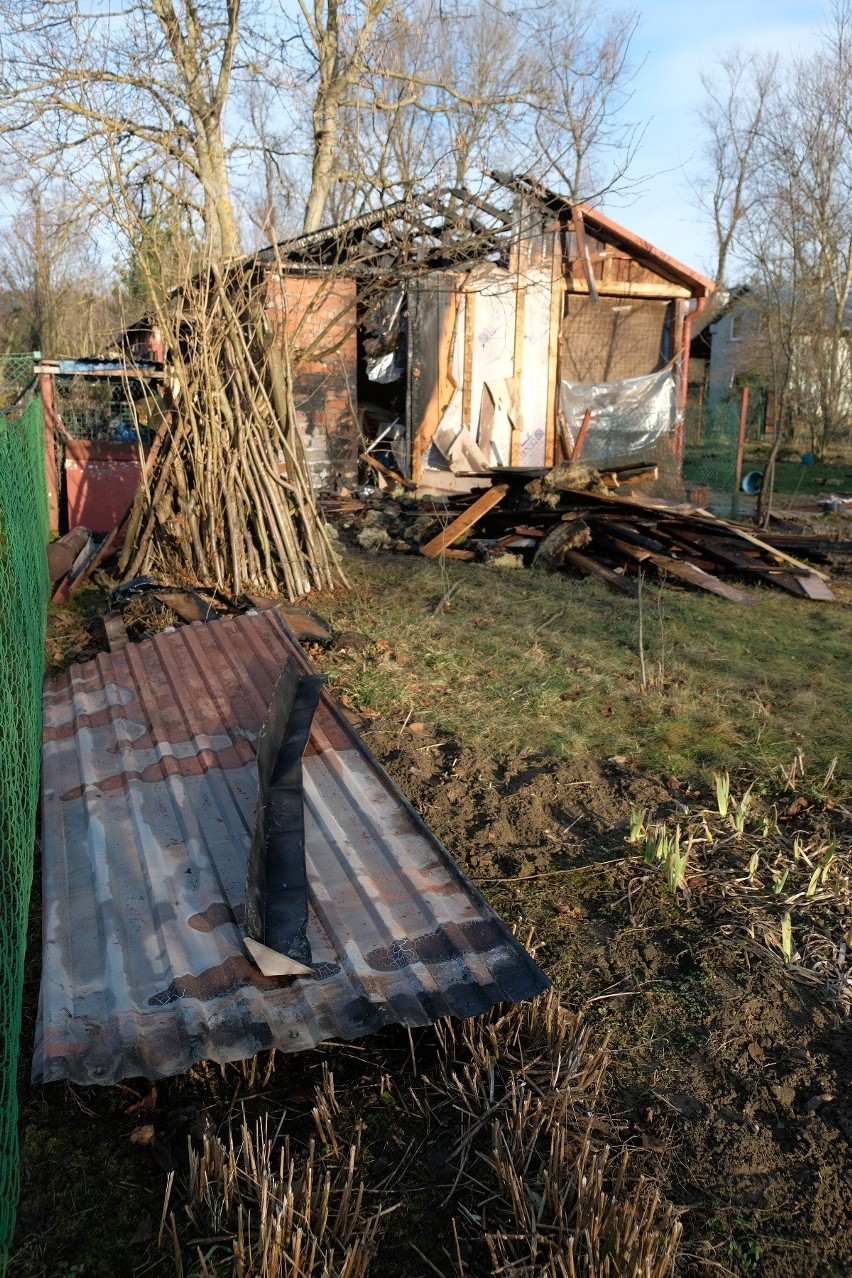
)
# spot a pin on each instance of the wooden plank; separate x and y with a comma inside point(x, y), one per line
point(680, 568)
point(557, 294)
point(592, 568)
point(581, 436)
point(695, 576)
point(465, 521)
point(518, 365)
point(706, 518)
point(623, 548)
point(583, 246)
point(50, 423)
point(430, 387)
point(814, 587)
point(467, 374)
point(629, 288)
point(386, 471)
point(628, 534)
point(800, 584)
point(772, 551)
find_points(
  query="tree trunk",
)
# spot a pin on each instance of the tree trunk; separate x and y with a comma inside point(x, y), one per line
point(223, 237)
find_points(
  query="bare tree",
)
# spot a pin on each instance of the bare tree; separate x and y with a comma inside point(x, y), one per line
point(51, 286)
point(430, 94)
point(154, 75)
point(581, 74)
point(340, 39)
point(781, 204)
point(738, 94)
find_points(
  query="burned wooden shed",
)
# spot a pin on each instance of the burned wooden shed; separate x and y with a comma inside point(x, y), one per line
point(488, 324)
point(454, 332)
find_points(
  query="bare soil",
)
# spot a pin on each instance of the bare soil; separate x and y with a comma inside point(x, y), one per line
point(733, 1081)
point(728, 1081)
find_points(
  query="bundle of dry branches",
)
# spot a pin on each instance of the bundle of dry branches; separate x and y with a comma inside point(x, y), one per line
point(226, 497)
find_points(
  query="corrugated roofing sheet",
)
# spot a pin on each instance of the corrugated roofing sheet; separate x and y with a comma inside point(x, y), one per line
point(149, 790)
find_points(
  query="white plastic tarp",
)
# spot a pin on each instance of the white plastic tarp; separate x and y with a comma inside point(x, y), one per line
point(628, 416)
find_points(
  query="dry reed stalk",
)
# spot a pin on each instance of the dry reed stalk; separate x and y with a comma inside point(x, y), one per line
point(537, 1191)
point(531, 1172)
point(229, 500)
point(286, 1216)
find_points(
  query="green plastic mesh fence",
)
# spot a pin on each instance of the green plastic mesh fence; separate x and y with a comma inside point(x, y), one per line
point(23, 611)
point(710, 454)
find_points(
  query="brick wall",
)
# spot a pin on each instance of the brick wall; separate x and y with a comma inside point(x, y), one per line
point(318, 316)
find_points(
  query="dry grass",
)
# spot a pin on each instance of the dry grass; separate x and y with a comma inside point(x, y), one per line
point(530, 1179)
point(259, 1208)
point(525, 661)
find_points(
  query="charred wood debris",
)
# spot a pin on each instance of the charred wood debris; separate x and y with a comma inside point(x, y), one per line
point(594, 523)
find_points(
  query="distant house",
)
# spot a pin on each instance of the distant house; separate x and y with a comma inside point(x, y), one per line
point(724, 350)
point(731, 347)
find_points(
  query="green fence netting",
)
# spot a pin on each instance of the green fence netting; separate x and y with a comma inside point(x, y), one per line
point(23, 610)
point(710, 455)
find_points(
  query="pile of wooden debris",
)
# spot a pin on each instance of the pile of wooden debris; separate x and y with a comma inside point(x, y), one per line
point(573, 517)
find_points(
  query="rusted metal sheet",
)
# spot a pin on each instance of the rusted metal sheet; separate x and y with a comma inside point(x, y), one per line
point(100, 481)
point(149, 792)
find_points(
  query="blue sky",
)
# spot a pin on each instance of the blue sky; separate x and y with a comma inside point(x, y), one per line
point(678, 41)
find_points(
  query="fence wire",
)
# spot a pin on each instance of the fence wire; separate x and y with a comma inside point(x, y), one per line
point(710, 454)
point(23, 610)
point(16, 373)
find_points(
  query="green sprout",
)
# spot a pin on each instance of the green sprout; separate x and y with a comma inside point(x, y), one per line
point(738, 818)
point(723, 792)
point(637, 826)
point(787, 938)
point(778, 881)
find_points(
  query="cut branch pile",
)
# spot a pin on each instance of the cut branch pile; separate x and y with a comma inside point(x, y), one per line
point(226, 496)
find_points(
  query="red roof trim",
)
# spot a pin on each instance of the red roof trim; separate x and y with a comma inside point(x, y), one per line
point(596, 222)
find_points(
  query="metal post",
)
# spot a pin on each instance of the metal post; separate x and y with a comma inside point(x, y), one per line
point(738, 467)
point(49, 415)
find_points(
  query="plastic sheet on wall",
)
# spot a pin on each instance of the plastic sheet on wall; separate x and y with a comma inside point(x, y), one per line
point(385, 361)
point(628, 416)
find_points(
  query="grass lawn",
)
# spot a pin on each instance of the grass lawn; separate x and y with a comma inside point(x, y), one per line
point(818, 479)
point(551, 664)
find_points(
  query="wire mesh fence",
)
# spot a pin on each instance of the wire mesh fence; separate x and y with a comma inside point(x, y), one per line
point(16, 373)
point(710, 453)
point(23, 609)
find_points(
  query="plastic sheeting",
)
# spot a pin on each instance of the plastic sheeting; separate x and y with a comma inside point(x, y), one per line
point(628, 416)
point(385, 361)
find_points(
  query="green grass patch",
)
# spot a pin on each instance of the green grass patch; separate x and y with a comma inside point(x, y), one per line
point(524, 661)
point(817, 479)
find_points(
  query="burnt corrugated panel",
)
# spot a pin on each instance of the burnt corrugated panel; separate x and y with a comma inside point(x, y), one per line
point(149, 791)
